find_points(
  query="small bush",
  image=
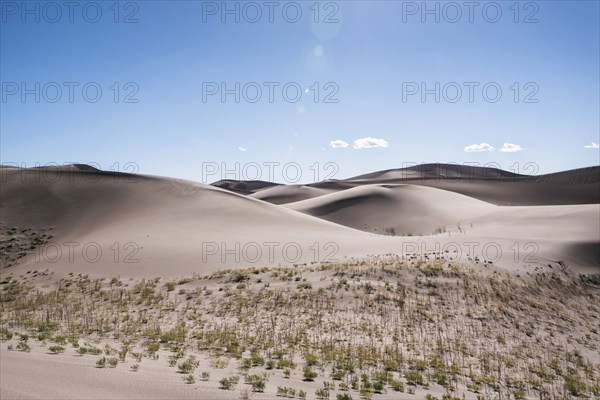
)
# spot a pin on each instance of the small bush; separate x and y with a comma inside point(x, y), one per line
point(56, 349)
point(413, 378)
point(23, 346)
point(322, 394)
point(188, 366)
point(309, 374)
point(112, 362)
point(5, 334)
point(228, 383)
point(101, 363)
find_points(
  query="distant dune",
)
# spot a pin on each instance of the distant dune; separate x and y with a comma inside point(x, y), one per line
point(243, 187)
point(488, 184)
point(499, 187)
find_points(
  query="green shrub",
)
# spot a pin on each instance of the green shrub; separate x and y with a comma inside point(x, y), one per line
point(573, 385)
point(413, 378)
point(23, 346)
point(256, 381)
point(378, 386)
point(5, 334)
point(397, 386)
point(112, 362)
point(228, 383)
point(309, 374)
point(258, 386)
point(56, 349)
point(101, 363)
point(441, 378)
point(188, 366)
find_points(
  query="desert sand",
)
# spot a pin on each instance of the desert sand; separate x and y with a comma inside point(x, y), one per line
point(108, 233)
point(142, 226)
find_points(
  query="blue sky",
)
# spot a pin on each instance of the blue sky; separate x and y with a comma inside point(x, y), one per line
point(370, 56)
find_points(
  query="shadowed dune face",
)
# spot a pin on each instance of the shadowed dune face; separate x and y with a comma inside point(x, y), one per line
point(243, 187)
point(439, 171)
point(588, 253)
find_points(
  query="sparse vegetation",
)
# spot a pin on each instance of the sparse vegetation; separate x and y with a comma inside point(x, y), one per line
point(360, 329)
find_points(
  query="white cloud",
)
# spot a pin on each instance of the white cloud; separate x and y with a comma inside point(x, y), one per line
point(338, 144)
point(242, 148)
point(369, 142)
point(511, 148)
point(473, 148)
point(592, 145)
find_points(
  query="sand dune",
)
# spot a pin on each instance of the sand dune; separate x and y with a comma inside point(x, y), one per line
point(488, 184)
point(68, 223)
point(496, 186)
point(395, 209)
point(169, 224)
point(438, 171)
point(111, 224)
point(283, 194)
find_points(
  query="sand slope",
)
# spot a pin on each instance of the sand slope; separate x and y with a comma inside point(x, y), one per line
point(283, 194)
point(395, 209)
point(171, 226)
point(109, 224)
